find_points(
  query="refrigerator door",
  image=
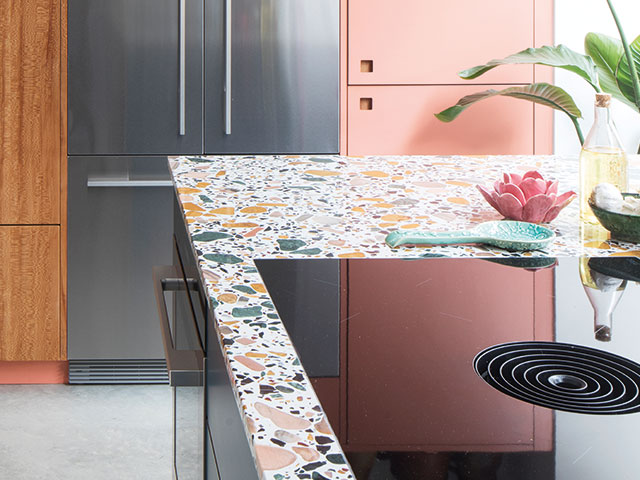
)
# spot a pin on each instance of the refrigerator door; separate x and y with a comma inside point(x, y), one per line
point(272, 76)
point(126, 60)
point(119, 226)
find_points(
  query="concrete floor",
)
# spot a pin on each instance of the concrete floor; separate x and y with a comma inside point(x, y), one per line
point(85, 432)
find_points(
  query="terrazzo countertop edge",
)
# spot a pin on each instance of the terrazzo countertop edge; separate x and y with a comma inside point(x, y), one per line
point(240, 208)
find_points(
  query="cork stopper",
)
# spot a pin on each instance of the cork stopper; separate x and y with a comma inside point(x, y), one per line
point(603, 100)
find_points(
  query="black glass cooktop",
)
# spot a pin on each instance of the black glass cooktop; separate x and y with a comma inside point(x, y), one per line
point(392, 348)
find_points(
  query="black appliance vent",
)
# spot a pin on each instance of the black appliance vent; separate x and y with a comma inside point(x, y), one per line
point(118, 372)
point(562, 376)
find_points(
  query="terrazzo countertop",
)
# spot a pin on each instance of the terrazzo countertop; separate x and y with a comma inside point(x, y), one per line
point(240, 208)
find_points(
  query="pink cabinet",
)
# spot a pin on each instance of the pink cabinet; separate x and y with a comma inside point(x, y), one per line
point(402, 60)
point(412, 337)
point(428, 42)
point(399, 120)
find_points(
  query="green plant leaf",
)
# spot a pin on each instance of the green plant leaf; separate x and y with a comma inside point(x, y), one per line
point(606, 52)
point(560, 56)
point(623, 72)
point(542, 93)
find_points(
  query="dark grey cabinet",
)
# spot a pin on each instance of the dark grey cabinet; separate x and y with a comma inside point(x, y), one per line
point(203, 76)
point(125, 90)
point(272, 76)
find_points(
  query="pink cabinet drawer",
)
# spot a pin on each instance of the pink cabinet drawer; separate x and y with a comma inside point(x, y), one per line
point(399, 120)
point(428, 42)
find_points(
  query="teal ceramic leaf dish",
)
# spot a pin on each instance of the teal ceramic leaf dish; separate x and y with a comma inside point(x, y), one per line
point(623, 226)
point(510, 235)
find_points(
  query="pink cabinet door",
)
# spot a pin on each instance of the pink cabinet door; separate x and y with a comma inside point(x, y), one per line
point(414, 329)
point(428, 42)
point(399, 120)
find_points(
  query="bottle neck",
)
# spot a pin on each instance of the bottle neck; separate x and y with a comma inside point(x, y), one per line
point(602, 115)
point(603, 132)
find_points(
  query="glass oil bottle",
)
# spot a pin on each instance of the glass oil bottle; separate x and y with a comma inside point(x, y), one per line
point(602, 159)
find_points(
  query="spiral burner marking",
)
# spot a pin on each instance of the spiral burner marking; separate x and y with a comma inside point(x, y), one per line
point(562, 376)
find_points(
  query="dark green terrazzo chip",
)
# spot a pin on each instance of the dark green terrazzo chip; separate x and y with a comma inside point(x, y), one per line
point(336, 458)
point(308, 251)
point(289, 245)
point(240, 312)
point(219, 258)
point(209, 236)
point(244, 289)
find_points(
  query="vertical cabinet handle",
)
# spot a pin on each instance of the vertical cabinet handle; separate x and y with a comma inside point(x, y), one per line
point(227, 69)
point(182, 88)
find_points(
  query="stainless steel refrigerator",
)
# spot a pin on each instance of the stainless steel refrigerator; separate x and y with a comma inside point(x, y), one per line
point(151, 78)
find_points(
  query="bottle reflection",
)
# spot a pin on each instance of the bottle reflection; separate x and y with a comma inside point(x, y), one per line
point(604, 291)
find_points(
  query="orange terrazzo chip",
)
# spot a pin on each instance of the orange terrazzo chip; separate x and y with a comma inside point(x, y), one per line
point(374, 199)
point(259, 287)
point(395, 218)
point(256, 355)
point(239, 225)
point(358, 209)
point(224, 211)
point(202, 184)
point(270, 204)
point(458, 200)
point(322, 173)
point(375, 173)
point(192, 206)
point(383, 205)
point(253, 210)
point(410, 225)
point(458, 183)
point(228, 298)
point(351, 255)
point(188, 190)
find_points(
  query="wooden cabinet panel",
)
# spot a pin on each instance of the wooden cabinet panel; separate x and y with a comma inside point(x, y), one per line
point(30, 294)
point(413, 334)
point(30, 111)
point(428, 42)
point(399, 120)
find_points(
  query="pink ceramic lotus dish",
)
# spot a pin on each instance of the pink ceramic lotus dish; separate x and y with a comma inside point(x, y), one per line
point(528, 197)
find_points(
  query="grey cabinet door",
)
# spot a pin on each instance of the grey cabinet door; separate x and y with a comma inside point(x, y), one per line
point(120, 226)
point(283, 62)
point(124, 77)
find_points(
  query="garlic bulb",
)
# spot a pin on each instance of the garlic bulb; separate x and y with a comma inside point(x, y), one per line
point(607, 197)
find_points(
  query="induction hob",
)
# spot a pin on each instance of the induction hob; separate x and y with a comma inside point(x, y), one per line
point(407, 403)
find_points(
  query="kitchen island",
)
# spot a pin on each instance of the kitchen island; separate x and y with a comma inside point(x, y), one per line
point(239, 209)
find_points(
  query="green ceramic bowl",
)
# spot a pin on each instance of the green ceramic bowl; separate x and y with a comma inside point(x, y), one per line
point(621, 225)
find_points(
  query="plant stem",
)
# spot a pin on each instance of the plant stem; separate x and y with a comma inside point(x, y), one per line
point(627, 52)
point(578, 129)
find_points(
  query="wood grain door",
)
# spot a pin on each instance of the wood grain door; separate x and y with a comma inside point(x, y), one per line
point(30, 111)
point(428, 42)
point(414, 329)
point(30, 293)
point(399, 120)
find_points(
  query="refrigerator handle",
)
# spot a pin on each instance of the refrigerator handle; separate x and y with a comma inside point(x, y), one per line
point(182, 88)
point(227, 69)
